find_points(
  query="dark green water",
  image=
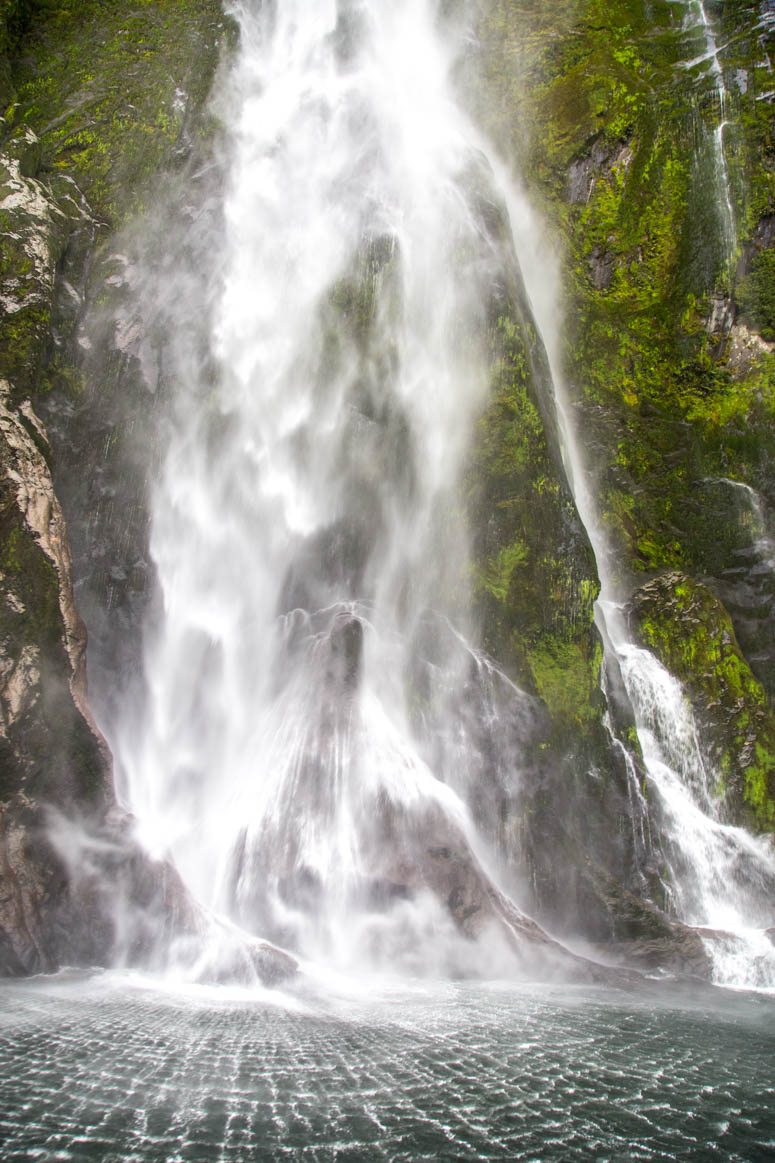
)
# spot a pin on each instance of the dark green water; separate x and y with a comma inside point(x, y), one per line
point(103, 1068)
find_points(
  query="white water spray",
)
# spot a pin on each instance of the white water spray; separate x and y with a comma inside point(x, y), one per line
point(307, 530)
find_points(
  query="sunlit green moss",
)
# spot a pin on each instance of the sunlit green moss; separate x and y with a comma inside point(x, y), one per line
point(692, 634)
point(534, 576)
point(107, 87)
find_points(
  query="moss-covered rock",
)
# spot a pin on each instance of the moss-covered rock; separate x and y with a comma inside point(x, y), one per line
point(535, 577)
point(616, 136)
point(13, 19)
point(667, 230)
point(98, 98)
point(113, 90)
point(691, 633)
point(34, 235)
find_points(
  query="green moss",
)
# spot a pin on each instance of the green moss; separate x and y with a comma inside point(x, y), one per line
point(534, 577)
point(34, 580)
point(692, 634)
point(22, 340)
point(102, 84)
point(759, 784)
point(13, 17)
point(496, 579)
point(756, 295)
point(615, 136)
point(567, 678)
point(60, 375)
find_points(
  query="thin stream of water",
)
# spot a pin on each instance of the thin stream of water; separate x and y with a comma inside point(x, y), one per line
point(697, 18)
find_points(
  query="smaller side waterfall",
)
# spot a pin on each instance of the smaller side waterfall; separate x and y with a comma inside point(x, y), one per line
point(697, 22)
point(754, 517)
point(719, 879)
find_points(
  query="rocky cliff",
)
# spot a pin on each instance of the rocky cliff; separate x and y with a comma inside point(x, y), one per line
point(93, 104)
point(644, 133)
point(646, 137)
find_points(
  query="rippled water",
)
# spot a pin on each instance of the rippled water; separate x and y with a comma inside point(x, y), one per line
point(113, 1069)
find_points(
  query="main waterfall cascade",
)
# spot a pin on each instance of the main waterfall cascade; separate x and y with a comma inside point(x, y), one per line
point(316, 718)
point(309, 678)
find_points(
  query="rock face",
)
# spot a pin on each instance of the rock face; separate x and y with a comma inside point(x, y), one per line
point(75, 887)
point(40, 621)
point(70, 868)
point(668, 273)
point(689, 630)
point(51, 754)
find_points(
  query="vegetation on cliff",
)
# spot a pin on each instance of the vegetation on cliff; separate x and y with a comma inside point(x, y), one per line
point(668, 295)
point(96, 98)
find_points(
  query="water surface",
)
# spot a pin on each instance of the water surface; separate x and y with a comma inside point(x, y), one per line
point(114, 1068)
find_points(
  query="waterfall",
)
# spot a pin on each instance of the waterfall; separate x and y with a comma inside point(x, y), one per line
point(317, 723)
point(316, 719)
point(719, 877)
point(696, 20)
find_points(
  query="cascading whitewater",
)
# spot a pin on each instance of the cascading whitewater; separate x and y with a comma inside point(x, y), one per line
point(720, 878)
point(307, 531)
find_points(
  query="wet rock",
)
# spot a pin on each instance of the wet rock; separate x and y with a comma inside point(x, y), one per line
point(649, 940)
point(692, 634)
point(602, 161)
point(745, 348)
point(75, 886)
point(425, 851)
point(234, 959)
point(346, 652)
point(71, 893)
point(302, 890)
point(332, 563)
point(680, 951)
point(24, 148)
point(720, 317)
point(85, 893)
point(602, 265)
point(52, 746)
